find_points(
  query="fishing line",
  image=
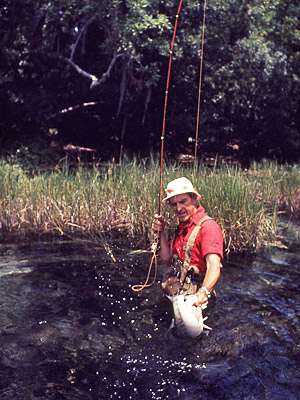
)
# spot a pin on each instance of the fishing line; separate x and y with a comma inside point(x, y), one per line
point(153, 262)
point(200, 83)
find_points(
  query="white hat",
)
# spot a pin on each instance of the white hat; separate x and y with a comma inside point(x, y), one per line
point(180, 186)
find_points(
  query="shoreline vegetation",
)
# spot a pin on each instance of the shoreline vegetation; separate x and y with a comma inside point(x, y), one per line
point(99, 203)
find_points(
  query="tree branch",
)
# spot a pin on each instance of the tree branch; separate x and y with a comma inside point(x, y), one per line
point(72, 108)
point(95, 81)
point(106, 74)
point(82, 31)
point(147, 101)
point(123, 87)
point(93, 78)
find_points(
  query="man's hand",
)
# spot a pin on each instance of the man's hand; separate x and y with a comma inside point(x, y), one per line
point(159, 228)
point(158, 224)
point(201, 299)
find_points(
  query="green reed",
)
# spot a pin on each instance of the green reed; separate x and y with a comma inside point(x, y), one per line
point(122, 199)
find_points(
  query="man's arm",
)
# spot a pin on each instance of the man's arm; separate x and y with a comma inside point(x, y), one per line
point(165, 249)
point(212, 275)
point(213, 271)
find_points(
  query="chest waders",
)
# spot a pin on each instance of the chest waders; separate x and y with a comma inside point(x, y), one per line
point(188, 281)
point(188, 320)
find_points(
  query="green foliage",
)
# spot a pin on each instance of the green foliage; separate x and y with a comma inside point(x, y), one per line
point(94, 203)
point(251, 86)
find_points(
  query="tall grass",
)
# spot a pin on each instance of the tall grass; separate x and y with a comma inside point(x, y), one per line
point(97, 202)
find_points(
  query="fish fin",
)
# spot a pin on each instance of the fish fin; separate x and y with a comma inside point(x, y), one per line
point(206, 326)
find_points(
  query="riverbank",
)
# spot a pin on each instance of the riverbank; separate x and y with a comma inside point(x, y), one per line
point(95, 204)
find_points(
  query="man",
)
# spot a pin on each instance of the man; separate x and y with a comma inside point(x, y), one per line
point(197, 244)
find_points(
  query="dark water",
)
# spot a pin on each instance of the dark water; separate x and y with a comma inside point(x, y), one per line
point(71, 328)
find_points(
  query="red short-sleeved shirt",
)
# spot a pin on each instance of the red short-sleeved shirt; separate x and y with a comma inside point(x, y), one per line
point(208, 241)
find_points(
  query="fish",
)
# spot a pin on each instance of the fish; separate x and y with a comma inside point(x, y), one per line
point(188, 319)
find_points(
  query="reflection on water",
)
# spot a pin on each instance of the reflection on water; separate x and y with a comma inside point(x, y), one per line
point(71, 328)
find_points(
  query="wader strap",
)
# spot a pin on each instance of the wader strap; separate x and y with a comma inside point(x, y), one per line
point(190, 245)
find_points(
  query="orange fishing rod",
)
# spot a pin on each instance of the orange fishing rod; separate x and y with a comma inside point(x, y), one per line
point(163, 131)
point(153, 261)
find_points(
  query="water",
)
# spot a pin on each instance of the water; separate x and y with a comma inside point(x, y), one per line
point(71, 328)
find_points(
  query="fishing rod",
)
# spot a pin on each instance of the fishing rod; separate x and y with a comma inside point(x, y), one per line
point(163, 131)
point(153, 262)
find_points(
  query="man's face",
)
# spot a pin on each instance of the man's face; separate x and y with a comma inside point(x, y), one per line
point(184, 206)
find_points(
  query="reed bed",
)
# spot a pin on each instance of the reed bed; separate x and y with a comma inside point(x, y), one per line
point(97, 203)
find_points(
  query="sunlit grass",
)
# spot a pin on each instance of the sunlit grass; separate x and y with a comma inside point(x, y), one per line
point(96, 202)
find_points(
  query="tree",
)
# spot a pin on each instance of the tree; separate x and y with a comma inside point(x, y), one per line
point(112, 56)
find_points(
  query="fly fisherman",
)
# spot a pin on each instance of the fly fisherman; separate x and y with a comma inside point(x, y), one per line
point(192, 258)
